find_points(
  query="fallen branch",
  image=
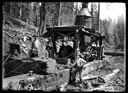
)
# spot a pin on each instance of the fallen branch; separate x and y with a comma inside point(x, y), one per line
point(7, 16)
point(9, 22)
point(11, 29)
point(13, 21)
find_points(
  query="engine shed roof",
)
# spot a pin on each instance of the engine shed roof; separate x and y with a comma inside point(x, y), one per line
point(70, 31)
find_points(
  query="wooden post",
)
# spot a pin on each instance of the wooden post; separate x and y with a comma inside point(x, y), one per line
point(77, 43)
point(100, 44)
point(59, 13)
point(54, 46)
point(100, 41)
point(92, 14)
point(52, 55)
point(99, 15)
point(42, 19)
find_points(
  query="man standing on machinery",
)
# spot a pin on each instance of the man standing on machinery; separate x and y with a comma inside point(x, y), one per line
point(76, 68)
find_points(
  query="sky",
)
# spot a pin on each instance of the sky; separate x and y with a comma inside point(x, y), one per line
point(111, 10)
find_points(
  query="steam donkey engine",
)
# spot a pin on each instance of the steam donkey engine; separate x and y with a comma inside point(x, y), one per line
point(81, 34)
point(90, 40)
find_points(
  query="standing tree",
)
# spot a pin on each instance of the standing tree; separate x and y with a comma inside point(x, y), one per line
point(119, 31)
point(42, 18)
point(59, 13)
point(95, 16)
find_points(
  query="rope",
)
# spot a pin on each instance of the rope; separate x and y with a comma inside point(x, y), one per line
point(18, 72)
point(15, 69)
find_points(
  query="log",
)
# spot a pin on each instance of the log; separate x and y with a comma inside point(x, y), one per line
point(91, 66)
point(114, 53)
point(112, 75)
point(107, 79)
point(103, 88)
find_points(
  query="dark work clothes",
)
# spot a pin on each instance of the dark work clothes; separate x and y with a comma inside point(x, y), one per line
point(14, 47)
point(49, 49)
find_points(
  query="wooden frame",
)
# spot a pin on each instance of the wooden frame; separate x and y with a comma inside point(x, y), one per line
point(72, 31)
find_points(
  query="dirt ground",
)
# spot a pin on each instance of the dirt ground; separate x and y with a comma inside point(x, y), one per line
point(118, 82)
point(115, 84)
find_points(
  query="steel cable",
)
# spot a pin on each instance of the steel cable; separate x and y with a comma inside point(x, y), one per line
point(10, 62)
point(15, 69)
point(17, 72)
point(6, 59)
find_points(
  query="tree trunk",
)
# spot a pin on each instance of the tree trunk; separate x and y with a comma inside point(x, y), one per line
point(99, 17)
point(59, 13)
point(42, 19)
point(92, 14)
point(20, 12)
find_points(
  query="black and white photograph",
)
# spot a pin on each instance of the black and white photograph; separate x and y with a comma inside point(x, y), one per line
point(64, 46)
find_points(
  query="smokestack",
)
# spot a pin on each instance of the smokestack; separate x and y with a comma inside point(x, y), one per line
point(85, 10)
point(84, 18)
